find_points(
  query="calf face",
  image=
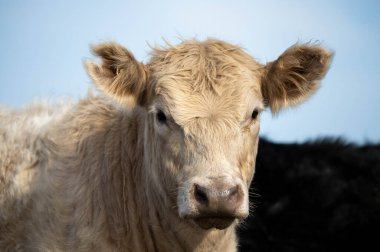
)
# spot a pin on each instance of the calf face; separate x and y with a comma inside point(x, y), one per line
point(203, 102)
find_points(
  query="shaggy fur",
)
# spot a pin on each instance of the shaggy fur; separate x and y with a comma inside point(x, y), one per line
point(116, 172)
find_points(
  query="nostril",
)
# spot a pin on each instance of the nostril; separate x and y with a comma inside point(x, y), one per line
point(200, 194)
point(235, 195)
point(233, 192)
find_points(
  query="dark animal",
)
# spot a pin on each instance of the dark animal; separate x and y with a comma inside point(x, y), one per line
point(318, 196)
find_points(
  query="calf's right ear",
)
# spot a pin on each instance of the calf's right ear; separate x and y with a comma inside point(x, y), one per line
point(119, 75)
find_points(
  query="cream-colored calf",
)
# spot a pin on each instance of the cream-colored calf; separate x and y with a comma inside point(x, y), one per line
point(160, 160)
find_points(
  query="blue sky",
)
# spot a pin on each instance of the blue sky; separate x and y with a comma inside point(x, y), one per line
point(44, 43)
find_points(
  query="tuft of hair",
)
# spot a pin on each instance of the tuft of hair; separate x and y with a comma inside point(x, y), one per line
point(201, 64)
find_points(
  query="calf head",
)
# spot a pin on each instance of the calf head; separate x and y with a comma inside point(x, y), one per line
point(202, 103)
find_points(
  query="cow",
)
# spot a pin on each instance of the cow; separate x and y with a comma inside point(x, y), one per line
point(159, 158)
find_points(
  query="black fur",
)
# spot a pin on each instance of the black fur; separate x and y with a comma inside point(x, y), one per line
point(319, 196)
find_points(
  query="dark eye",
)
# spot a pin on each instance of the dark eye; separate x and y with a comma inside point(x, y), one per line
point(255, 113)
point(161, 117)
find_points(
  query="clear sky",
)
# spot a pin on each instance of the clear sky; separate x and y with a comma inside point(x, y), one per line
point(44, 43)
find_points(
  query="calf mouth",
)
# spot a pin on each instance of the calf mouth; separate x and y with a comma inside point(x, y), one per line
point(214, 222)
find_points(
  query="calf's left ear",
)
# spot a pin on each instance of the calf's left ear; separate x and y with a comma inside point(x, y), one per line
point(119, 75)
point(294, 76)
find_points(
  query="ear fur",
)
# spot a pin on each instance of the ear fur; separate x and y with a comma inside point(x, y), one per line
point(294, 76)
point(119, 75)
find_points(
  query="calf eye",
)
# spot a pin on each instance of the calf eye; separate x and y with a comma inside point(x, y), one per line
point(161, 117)
point(255, 113)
